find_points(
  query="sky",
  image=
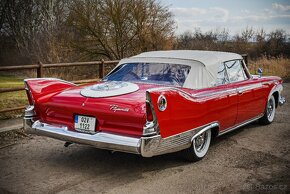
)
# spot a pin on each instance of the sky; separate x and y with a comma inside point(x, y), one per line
point(232, 15)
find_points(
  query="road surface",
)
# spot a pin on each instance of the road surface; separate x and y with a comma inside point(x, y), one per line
point(253, 159)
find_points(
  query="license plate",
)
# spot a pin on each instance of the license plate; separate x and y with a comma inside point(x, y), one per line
point(85, 123)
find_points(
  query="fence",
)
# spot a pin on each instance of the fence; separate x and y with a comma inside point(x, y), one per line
point(39, 72)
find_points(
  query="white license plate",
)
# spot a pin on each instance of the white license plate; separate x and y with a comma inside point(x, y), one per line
point(85, 123)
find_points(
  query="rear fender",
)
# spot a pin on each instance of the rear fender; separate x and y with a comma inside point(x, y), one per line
point(183, 112)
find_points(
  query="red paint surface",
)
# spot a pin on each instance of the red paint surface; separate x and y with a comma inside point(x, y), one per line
point(57, 103)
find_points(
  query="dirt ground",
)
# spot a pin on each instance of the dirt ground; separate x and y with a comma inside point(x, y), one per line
point(253, 159)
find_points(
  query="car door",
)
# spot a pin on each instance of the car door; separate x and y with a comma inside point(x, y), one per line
point(227, 99)
point(249, 104)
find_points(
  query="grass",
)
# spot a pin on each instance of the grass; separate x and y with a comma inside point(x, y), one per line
point(11, 99)
point(10, 81)
point(279, 66)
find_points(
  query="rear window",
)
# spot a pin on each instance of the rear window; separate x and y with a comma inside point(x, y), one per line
point(159, 73)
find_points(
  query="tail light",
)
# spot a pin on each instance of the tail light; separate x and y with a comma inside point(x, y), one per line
point(149, 114)
point(28, 93)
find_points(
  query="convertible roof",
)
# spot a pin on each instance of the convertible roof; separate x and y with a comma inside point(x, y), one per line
point(207, 58)
point(204, 64)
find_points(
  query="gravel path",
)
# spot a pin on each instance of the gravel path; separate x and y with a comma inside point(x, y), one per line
point(253, 159)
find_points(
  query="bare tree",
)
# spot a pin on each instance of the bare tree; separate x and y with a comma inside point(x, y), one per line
point(117, 28)
point(276, 43)
point(34, 27)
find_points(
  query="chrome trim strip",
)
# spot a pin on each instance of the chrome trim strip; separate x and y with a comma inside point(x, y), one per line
point(239, 125)
point(207, 94)
point(250, 87)
point(236, 90)
point(213, 125)
point(156, 145)
point(168, 88)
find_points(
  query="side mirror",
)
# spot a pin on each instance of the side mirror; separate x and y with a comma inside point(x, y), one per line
point(260, 72)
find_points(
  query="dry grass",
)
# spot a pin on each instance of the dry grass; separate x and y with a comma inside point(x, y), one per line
point(271, 66)
point(11, 99)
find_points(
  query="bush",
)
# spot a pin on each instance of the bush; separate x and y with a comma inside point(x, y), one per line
point(279, 66)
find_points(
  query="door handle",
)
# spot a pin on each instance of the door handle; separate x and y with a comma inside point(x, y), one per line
point(240, 91)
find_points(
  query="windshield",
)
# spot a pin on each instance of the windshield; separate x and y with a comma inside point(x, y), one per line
point(159, 73)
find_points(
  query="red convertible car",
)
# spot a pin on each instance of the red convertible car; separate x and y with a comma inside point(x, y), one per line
point(155, 103)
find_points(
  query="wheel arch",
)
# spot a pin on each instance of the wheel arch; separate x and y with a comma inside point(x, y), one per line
point(215, 131)
point(276, 97)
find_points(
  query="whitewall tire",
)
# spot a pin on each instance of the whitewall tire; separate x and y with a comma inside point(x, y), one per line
point(269, 113)
point(199, 147)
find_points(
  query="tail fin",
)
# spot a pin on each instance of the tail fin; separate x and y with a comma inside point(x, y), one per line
point(39, 87)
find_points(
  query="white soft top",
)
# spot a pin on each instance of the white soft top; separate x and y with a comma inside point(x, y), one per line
point(204, 64)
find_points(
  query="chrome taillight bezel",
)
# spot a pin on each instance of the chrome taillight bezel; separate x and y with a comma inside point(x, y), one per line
point(162, 103)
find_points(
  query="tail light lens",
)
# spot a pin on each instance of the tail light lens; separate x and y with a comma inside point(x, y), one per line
point(29, 97)
point(149, 114)
point(28, 93)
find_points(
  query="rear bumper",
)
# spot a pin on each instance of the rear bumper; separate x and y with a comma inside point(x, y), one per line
point(100, 140)
point(145, 146)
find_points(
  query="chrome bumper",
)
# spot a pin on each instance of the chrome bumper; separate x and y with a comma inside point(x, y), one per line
point(100, 140)
point(146, 146)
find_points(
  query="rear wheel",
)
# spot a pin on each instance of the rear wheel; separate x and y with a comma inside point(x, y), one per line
point(270, 111)
point(199, 147)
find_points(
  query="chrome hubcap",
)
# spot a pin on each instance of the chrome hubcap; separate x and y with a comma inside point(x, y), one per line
point(200, 141)
point(270, 108)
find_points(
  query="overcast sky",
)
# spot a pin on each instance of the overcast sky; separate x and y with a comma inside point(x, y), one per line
point(233, 15)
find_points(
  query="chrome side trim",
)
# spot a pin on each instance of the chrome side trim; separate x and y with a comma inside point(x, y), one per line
point(169, 88)
point(239, 125)
point(156, 145)
point(216, 124)
point(250, 87)
point(99, 140)
point(207, 94)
